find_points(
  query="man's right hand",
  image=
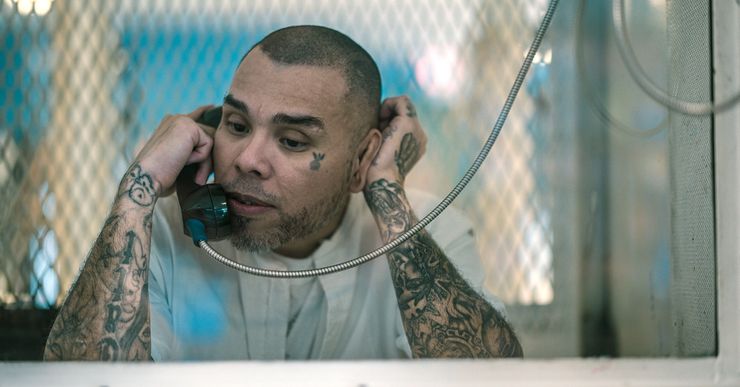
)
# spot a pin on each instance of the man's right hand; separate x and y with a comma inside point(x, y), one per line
point(177, 142)
point(106, 313)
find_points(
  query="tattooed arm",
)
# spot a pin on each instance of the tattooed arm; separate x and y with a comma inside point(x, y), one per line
point(106, 313)
point(442, 315)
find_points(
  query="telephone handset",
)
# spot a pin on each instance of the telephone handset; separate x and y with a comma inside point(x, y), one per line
point(205, 215)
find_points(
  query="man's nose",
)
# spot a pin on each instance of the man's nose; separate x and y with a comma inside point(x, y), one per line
point(253, 158)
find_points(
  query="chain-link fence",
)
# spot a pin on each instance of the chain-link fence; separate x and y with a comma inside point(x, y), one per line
point(84, 82)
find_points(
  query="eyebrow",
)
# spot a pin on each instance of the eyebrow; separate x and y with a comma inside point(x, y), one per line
point(239, 105)
point(298, 120)
point(307, 121)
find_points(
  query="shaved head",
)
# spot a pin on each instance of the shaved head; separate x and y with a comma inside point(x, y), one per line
point(325, 47)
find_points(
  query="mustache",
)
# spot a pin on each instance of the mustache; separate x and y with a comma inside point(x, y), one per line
point(250, 187)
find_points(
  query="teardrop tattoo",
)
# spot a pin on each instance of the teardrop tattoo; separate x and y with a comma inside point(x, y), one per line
point(316, 162)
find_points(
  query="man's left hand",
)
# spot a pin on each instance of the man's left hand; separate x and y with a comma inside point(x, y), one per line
point(404, 141)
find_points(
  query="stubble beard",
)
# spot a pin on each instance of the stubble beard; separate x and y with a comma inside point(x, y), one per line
point(290, 226)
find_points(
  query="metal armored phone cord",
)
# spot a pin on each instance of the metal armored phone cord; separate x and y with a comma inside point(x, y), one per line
point(438, 209)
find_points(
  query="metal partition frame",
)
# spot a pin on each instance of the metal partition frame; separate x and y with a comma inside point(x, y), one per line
point(721, 370)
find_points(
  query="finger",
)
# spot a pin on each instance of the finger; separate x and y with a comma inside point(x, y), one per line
point(210, 131)
point(397, 106)
point(391, 110)
point(204, 170)
point(388, 108)
point(202, 150)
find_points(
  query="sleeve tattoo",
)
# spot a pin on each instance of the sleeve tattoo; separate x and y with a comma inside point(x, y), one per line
point(106, 314)
point(442, 315)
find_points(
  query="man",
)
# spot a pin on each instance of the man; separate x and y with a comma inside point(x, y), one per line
point(302, 130)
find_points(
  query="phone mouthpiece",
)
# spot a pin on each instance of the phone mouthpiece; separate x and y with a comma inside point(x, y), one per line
point(197, 230)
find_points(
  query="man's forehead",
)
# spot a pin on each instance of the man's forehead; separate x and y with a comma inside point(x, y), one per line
point(300, 88)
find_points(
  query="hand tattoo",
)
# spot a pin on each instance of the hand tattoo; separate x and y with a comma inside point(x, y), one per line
point(442, 315)
point(411, 112)
point(388, 132)
point(407, 155)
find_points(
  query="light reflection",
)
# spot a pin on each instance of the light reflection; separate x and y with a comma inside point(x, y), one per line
point(439, 71)
point(25, 7)
point(540, 58)
point(42, 7)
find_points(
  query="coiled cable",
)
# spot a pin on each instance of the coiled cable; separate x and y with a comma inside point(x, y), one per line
point(588, 87)
point(438, 209)
point(638, 73)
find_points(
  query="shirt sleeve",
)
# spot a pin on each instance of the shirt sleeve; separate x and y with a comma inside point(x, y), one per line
point(160, 311)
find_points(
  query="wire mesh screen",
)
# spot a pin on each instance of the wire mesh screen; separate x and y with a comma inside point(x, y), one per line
point(84, 82)
point(692, 174)
point(584, 228)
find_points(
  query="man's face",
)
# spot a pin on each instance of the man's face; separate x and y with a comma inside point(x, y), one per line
point(283, 153)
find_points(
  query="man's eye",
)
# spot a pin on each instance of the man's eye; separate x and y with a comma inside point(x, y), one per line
point(293, 145)
point(236, 127)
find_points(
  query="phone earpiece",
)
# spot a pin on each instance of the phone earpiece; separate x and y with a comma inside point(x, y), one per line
point(211, 117)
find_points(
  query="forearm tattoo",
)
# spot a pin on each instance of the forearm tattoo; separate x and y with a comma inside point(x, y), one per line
point(442, 315)
point(139, 186)
point(106, 314)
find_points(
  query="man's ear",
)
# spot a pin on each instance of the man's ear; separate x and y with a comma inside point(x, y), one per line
point(363, 158)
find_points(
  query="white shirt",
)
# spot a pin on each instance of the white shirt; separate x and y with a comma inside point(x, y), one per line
point(202, 310)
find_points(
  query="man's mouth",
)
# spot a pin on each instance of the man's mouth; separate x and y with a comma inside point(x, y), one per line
point(247, 205)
